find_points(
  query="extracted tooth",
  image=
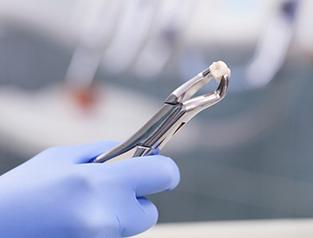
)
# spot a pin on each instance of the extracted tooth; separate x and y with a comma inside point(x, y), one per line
point(219, 69)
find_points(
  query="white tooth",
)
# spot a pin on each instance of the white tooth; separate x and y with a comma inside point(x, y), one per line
point(219, 69)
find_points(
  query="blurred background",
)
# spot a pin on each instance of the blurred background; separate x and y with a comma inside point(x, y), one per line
point(77, 71)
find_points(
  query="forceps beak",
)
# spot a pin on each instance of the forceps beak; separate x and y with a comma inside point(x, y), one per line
point(218, 71)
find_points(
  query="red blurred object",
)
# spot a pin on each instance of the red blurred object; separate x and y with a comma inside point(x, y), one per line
point(85, 98)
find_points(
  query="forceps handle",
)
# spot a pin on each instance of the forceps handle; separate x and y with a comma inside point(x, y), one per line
point(153, 135)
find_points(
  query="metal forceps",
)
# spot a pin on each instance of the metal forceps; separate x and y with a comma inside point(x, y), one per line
point(178, 109)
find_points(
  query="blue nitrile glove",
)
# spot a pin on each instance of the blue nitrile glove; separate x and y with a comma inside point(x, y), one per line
point(58, 194)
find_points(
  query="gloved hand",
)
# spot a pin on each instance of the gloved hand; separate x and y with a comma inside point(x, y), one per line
point(59, 194)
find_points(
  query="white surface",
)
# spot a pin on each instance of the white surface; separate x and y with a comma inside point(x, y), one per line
point(239, 229)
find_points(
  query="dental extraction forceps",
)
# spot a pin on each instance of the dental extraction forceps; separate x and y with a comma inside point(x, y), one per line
point(178, 109)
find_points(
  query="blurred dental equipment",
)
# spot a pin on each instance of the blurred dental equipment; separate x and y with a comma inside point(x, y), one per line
point(107, 32)
point(97, 32)
point(269, 54)
point(273, 46)
point(166, 39)
point(135, 27)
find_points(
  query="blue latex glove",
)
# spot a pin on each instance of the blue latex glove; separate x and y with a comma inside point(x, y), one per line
point(58, 194)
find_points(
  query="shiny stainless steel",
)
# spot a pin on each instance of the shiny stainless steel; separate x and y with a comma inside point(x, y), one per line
point(178, 109)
